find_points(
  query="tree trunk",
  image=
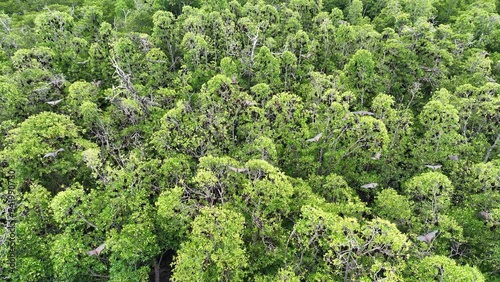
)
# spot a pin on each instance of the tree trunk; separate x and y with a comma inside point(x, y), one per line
point(157, 271)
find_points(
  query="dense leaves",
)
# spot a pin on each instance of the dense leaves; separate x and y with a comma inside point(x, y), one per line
point(253, 140)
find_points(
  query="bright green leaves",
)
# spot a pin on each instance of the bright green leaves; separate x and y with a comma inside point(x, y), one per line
point(212, 184)
point(269, 192)
point(163, 33)
point(325, 37)
point(341, 198)
point(419, 10)
point(132, 249)
point(236, 140)
point(196, 57)
point(214, 249)
point(99, 55)
point(391, 16)
point(262, 193)
point(173, 216)
point(481, 196)
point(304, 49)
point(479, 22)
point(54, 26)
point(486, 182)
point(479, 109)
point(55, 29)
point(74, 209)
point(400, 71)
point(266, 67)
point(354, 12)
point(66, 254)
point(90, 114)
point(440, 123)
point(477, 68)
point(313, 232)
point(307, 8)
point(397, 122)
point(33, 232)
point(176, 169)
point(430, 192)
point(39, 135)
point(378, 246)
point(288, 117)
point(41, 58)
point(88, 21)
point(33, 83)
point(438, 116)
point(262, 92)
point(430, 197)
point(127, 55)
point(361, 138)
point(123, 8)
point(157, 64)
point(65, 206)
point(179, 131)
point(392, 206)
point(360, 75)
point(220, 119)
point(12, 101)
point(261, 148)
point(346, 245)
point(443, 269)
point(80, 92)
point(366, 133)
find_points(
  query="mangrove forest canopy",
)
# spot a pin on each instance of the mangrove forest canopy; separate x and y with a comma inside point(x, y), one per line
point(299, 140)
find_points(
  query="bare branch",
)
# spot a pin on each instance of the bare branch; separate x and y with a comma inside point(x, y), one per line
point(488, 153)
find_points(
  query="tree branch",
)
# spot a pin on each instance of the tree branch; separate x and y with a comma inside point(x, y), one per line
point(86, 221)
point(488, 153)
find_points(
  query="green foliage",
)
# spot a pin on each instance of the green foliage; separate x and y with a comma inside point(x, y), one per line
point(392, 206)
point(345, 243)
point(445, 269)
point(214, 249)
point(64, 253)
point(41, 134)
point(173, 217)
point(430, 195)
point(360, 74)
point(262, 140)
point(132, 248)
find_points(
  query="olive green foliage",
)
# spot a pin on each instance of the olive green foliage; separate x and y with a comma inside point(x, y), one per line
point(250, 140)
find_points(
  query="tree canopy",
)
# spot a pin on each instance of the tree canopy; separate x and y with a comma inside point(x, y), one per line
point(250, 140)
